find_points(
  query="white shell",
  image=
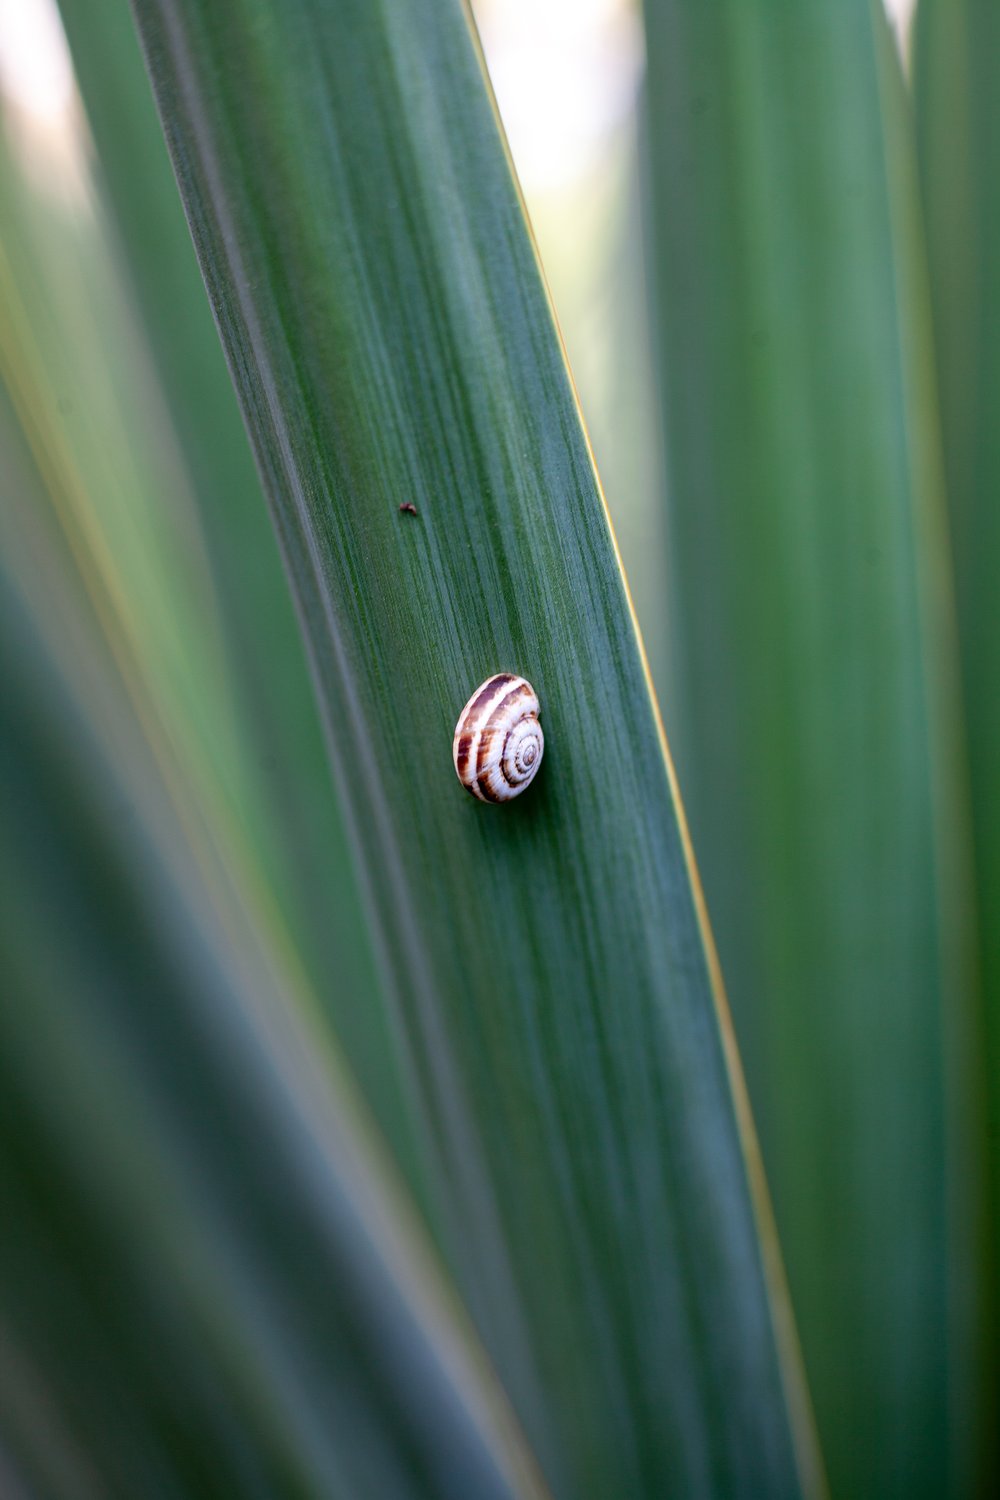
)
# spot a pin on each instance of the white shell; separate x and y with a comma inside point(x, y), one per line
point(498, 740)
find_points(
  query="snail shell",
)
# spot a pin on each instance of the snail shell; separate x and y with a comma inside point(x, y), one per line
point(498, 739)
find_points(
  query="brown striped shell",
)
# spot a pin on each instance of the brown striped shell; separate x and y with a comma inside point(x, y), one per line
point(498, 739)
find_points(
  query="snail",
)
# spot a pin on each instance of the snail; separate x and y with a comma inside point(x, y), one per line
point(498, 740)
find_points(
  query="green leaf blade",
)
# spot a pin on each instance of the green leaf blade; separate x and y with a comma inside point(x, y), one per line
point(384, 320)
point(814, 706)
point(304, 864)
point(209, 1280)
point(958, 151)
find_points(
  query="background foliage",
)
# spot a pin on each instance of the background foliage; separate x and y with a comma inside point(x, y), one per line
point(358, 1141)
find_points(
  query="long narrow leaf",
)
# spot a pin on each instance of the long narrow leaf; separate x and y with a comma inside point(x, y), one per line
point(375, 288)
point(956, 46)
point(208, 1284)
point(288, 794)
point(814, 694)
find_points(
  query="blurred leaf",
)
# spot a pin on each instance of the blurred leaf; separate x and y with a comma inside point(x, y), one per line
point(381, 309)
point(814, 694)
point(305, 861)
point(208, 1282)
point(956, 46)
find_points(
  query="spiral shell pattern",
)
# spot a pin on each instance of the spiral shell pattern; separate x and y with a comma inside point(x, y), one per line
point(498, 739)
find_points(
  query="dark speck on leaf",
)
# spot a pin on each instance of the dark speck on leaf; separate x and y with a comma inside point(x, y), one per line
point(408, 508)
